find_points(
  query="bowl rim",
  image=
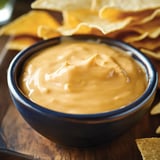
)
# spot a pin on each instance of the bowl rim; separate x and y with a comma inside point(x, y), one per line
point(132, 107)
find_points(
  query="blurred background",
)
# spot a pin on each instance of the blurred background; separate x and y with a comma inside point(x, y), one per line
point(11, 9)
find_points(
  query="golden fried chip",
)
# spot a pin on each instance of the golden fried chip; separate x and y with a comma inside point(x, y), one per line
point(138, 18)
point(135, 22)
point(152, 54)
point(103, 27)
point(158, 130)
point(148, 43)
point(115, 14)
point(135, 37)
point(156, 108)
point(129, 36)
point(131, 5)
point(62, 5)
point(149, 148)
point(76, 19)
point(29, 23)
point(151, 16)
point(134, 33)
point(105, 16)
point(46, 32)
point(151, 28)
point(111, 14)
point(22, 42)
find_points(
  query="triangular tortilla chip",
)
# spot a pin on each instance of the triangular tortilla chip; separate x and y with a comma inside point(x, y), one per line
point(131, 5)
point(158, 130)
point(156, 108)
point(62, 5)
point(138, 32)
point(149, 148)
point(151, 28)
point(29, 23)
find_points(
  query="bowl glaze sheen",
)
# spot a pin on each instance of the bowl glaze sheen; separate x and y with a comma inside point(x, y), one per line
point(81, 130)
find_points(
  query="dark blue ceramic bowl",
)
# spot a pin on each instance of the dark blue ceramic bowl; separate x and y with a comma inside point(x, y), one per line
point(81, 129)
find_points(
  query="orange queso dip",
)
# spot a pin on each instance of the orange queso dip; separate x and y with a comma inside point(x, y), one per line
point(82, 78)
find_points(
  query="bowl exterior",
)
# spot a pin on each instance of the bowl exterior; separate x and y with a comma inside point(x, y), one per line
point(77, 132)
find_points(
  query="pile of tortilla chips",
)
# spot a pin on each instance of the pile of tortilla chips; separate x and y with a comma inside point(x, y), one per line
point(133, 21)
point(155, 111)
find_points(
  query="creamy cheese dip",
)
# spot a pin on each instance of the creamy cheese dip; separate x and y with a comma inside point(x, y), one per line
point(82, 78)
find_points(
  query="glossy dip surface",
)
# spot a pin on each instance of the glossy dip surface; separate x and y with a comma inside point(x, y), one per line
point(82, 78)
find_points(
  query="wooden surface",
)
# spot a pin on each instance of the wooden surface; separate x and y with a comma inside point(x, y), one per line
point(20, 137)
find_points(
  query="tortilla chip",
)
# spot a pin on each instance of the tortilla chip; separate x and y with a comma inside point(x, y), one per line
point(104, 27)
point(22, 42)
point(62, 5)
point(135, 22)
point(152, 54)
point(158, 130)
point(77, 19)
point(46, 32)
point(149, 148)
point(76, 15)
point(130, 5)
point(151, 28)
point(29, 23)
point(148, 43)
point(135, 38)
point(156, 109)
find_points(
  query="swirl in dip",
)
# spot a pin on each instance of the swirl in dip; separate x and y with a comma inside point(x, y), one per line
point(82, 78)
